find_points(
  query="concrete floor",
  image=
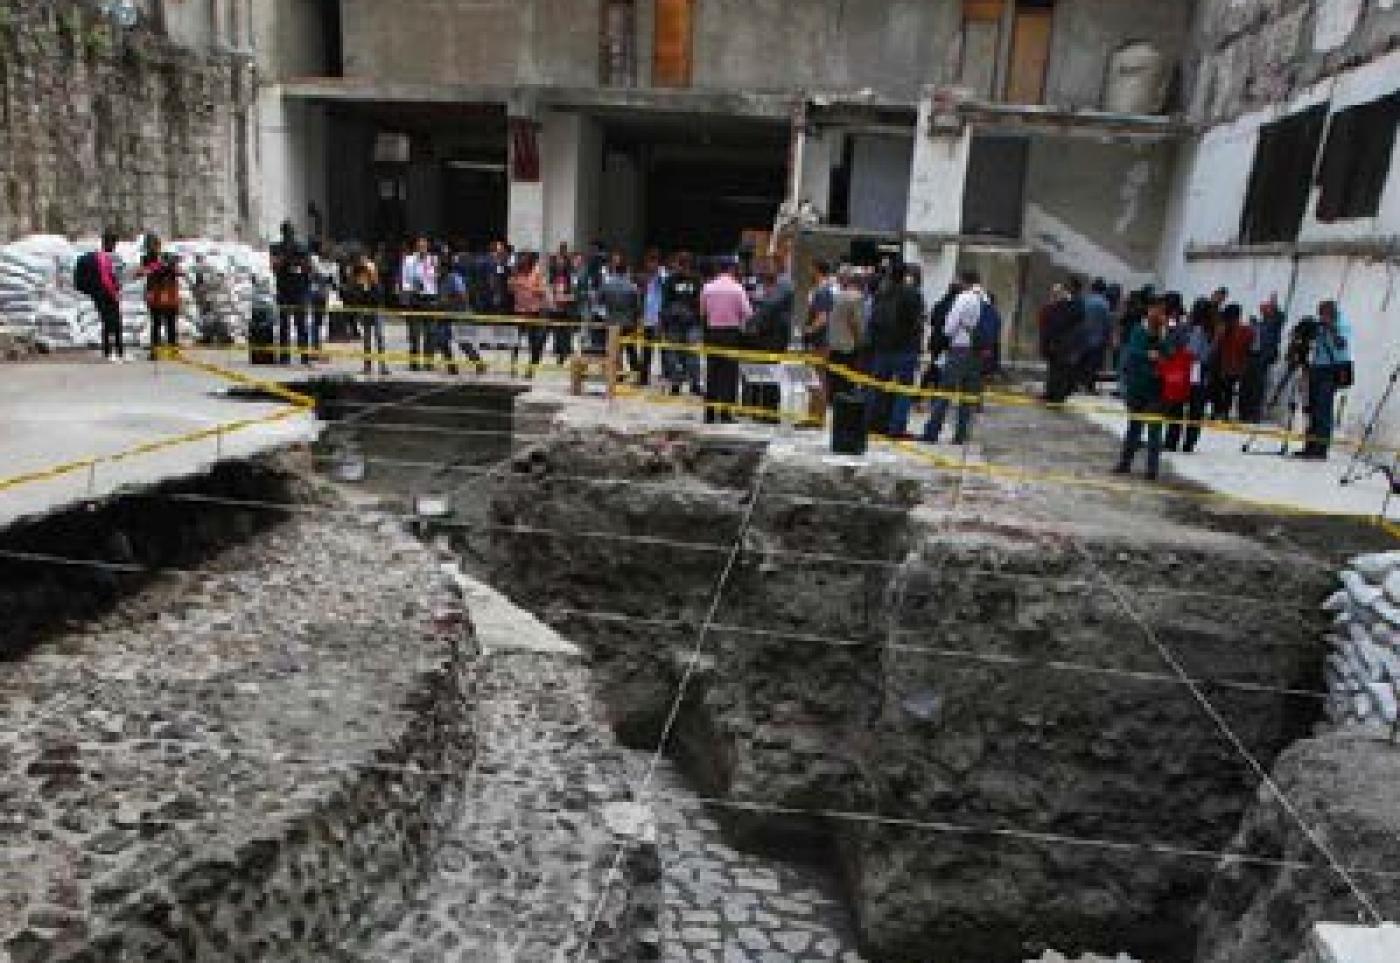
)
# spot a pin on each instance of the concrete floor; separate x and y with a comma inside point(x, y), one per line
point(56, 413)
point(101, 410)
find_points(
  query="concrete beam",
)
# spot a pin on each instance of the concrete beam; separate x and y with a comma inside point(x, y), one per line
point(698, 102)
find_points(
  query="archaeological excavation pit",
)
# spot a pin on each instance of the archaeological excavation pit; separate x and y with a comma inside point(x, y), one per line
point(399, 696)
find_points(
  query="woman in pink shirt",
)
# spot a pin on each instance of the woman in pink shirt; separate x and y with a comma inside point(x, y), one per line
point(528, 287)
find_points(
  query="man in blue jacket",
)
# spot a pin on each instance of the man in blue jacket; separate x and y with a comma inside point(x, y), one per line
point(1331, 371)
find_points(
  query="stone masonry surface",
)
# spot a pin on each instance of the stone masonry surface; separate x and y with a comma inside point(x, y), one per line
point(99, 127)
point(215, 768)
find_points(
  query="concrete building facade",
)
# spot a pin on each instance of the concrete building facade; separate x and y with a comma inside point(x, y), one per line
point(669, 122)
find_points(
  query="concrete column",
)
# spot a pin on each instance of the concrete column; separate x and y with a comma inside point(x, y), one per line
point(292, 138)
point(525, 219)
point(571, 166)
point(936, 187)
point(818, 149)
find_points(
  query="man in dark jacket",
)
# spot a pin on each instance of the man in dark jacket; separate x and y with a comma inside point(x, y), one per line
point(1063, 319)
point(896, 334)
point(291, 268)
point(1142, 390)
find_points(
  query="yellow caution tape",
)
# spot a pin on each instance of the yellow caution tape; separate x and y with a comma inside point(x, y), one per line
point(146, 448)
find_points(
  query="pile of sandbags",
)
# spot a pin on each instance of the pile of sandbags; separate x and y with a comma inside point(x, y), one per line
point(29, 293)
point(38, 304)
point(1363, 669)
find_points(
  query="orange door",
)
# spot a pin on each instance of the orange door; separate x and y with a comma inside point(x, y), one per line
point(1030, 55)
point(671, 64)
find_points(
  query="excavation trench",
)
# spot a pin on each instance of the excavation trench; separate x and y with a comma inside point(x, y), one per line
point(953, 704)
point(904, 716)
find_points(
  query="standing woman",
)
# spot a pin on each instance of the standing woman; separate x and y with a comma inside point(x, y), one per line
point(528, 286)
point(162, 274)
point(363, 294)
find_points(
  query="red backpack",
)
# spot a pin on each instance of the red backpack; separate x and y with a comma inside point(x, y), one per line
point(1175, 372)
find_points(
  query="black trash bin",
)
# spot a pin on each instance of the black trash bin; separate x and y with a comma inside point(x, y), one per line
point(850, 434)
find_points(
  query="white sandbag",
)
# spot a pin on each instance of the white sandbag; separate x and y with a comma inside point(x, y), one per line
point(1376, 566)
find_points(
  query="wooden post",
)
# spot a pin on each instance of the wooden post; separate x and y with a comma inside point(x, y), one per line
point(612, 363)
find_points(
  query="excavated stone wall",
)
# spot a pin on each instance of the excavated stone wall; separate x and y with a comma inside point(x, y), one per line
point(239, 755)
point(100, 127)
point(876, 651)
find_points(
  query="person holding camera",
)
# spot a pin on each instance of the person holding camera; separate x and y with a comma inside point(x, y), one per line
point(1331, 372)
point(162, 273)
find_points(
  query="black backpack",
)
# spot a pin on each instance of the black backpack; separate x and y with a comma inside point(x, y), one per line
point(87, 279)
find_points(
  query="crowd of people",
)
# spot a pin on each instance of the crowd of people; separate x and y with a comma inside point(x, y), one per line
point(1175, 368)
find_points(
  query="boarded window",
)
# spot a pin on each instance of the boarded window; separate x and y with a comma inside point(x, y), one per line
point(981, 45)
point(1030, 51)
point(672, 62)
point(994, 200)
point(1281, 179)
point(618, 38)
point(1356, 162)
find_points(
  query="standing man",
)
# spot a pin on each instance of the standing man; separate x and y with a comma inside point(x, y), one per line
point(653, 296)
point(418, 287)
point(1142, 390)
point(681, 324)
point(95, 275)
point(963, 373)
point(619, 300)
point(896, 335)
point(1064, 318)
point(724, 307)
point(845, 333)
point(1095, 334)
point(291, 267)
point(1267, 342)
point(1331, 371)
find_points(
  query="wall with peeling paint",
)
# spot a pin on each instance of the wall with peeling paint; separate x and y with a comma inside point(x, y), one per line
point(1207, 203)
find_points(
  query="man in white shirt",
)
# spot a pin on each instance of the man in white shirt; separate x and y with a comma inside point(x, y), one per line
point(962, 375)
point(418, 287)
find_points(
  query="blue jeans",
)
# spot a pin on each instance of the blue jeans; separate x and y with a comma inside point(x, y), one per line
point(1322, 399)
point(890, 411)
point(682, 366)
point(962, 375)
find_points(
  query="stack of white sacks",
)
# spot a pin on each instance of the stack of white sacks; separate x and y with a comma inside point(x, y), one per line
point(38, 303)
point(1363, 669)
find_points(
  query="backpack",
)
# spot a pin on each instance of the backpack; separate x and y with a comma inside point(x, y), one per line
point(987, 335)
point(1175, 373)
point(86, 277)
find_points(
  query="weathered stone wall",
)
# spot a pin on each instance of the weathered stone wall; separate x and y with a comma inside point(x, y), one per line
point(103, 127)
point(1256, 53)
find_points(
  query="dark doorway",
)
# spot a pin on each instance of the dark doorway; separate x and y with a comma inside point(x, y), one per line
point(475, 202)
point(706, 207)
point(704, 180)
